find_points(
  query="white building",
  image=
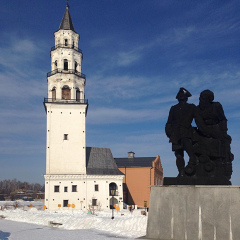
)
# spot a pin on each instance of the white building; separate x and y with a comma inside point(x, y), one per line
point(76, 176)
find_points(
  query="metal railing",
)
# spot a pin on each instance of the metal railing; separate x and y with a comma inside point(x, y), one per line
point(66, 46)
point(69, 71)
point(75, 101)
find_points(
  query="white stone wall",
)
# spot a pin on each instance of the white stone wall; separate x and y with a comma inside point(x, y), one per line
point(66, 156)
point(61, 35)
point(102, 196)
point(72, 81)
point(82, 198)
point(66, 53)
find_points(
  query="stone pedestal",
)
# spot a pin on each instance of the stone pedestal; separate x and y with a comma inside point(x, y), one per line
point(194, 213)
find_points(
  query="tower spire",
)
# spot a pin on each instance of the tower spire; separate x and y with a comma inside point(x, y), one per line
point(67, 23)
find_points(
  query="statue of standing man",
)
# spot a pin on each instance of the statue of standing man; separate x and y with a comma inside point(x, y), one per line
point(180, 131)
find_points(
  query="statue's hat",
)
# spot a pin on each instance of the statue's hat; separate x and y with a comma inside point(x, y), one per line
point(185, 91)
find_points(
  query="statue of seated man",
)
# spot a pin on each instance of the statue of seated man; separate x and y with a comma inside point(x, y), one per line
point(212, 124)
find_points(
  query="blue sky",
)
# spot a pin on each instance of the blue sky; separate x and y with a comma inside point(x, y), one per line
point(136, 56)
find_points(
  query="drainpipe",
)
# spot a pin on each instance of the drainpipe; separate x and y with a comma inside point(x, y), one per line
point(125, 174)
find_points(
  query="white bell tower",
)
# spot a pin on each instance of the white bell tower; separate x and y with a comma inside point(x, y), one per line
point(76, 176)
point(66, 106)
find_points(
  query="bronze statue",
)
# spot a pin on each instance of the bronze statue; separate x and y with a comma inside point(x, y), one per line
point(212, 127)
point(208, 145)
point(179, 129)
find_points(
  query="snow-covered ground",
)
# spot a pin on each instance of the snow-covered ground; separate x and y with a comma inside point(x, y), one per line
point(100, 225)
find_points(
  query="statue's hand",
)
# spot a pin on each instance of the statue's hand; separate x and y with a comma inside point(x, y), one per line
point(168, 130)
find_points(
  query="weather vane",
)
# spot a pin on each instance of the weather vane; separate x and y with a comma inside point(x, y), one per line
point(67, 2)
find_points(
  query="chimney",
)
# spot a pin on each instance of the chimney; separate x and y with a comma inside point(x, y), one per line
point(131, 154)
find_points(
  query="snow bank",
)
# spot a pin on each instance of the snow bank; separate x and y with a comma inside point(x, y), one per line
point(124, 224)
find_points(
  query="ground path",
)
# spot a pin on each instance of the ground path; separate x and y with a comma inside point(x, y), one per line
point(11, 230)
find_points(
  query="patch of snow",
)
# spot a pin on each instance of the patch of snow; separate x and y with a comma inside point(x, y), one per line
point(125, 223)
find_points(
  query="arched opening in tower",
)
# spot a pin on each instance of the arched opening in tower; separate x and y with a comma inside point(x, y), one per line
point(66, 93)
point(65, 67)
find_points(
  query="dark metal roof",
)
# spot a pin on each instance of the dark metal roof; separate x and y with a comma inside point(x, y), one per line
point(135, 162)
point(100, 161)
point(67, 23)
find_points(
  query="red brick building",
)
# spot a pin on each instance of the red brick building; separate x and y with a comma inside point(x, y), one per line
point(140, 173)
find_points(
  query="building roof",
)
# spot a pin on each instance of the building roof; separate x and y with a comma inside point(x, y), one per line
point(100, 161)
point(67, 23)
point(135, 162)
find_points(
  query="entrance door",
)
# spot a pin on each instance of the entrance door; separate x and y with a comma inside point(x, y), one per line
point(65, 203)
point(113, 201)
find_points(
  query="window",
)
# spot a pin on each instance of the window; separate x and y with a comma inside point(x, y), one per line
point(54, 93)
point(56, 188)
point(65, 189)
point(65, 203)
point(65, 66)
point(66, 92)
point(76, 66)
point(74, 188)
point(94, 202)
point(65, 137)
point(96, 188)
point(65, 42)
point(55, 65)
point(78, 95)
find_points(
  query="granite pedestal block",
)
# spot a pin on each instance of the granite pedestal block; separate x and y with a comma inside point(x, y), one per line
point(194, 213)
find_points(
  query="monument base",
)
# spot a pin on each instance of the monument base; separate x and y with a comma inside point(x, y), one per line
point(196, 181)
point(194, 213)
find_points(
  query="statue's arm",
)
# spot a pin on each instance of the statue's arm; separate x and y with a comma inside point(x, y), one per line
point(221, 116)
point(199, 121)
point(168, 126)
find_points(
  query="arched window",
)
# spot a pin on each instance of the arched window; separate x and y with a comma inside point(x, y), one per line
point(66, 92)
point(54, 93)
point(65, 67)
point(112, 189)
point(77, 95)
point(112, 202)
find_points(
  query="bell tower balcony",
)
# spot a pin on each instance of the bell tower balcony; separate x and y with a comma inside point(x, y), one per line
point(70, 46)
point(69, 71)
point(70, 101)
